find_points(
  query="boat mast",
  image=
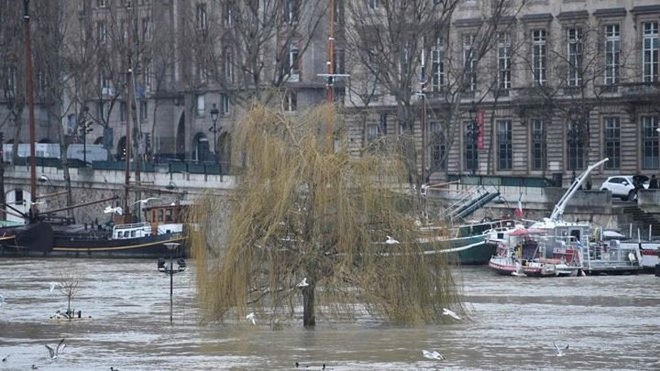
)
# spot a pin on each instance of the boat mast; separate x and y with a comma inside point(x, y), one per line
point(561, 205)
point(129, 126)
point(30, 100)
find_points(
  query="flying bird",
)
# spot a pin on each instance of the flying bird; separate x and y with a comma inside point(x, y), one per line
point(113, 210)
point(391, 241)
point(2, 300)
point(53, 285)
point(519, 271)
point(432, 355)
point(55, 352)
point(559, 352)
point(144, 201)
point(252, 318)
point(450, 313)
point(5, 359)
point(303, 283)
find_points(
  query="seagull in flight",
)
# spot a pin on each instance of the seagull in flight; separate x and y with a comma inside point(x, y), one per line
point(432, 355)
point(113, 210)
point(252, 318)
point(391, 241)
point(519, 271)
point(55, 352)
point(53, 285)
point(559, 352)
point(303, 283)
point(144, 201)
point(5, 359)
point(2, 300)
point(450, 313)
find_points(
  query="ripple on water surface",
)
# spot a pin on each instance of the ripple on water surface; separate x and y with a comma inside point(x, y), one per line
point(609, 323)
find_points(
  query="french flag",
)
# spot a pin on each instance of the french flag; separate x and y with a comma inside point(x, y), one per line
point(519, 210)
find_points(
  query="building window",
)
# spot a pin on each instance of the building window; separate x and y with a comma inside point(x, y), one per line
point(290, 103)
point(200, 105)
point(339, 11)
point(224, 104)
point(105, 84)
point(100, 110)
point(612, 144)
point(575, 148)
point(373, 4)
point(292, 63)
point(339, 60)
point(383, 123)
point(404, 62)
point(438, 147)
point(42, 84)
point(469, 63)
point(574, 57)
point(372, 132)
point(539, 62)
point(228, 66)
point(202, 18)
point(650, 142)
point(10, 82)
point(101, 31)
point(123, 111)
point(438, 65)
point(144, 113)
point(147, 34)
point(504, 60)
point(291, 11)
point(471, 153)
point(651, 44)
point(539, 146)
point(612, 54)
point(228, 16)
point(504, 145)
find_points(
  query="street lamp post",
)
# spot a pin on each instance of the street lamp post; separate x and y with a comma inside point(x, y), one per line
point(84, 129)
point(171, 246)
point(214, 129)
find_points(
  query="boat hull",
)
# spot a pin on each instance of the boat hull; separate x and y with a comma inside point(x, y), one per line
point(143, 247)
point(35, 239)
point(470, 250)
point(477, 255)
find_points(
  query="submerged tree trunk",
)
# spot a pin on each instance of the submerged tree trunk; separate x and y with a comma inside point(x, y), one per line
point(309, 319)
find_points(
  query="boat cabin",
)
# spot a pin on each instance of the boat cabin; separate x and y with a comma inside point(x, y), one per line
point(134, 230)
point(162, 219)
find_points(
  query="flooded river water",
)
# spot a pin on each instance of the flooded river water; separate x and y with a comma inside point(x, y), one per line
point(610, 322)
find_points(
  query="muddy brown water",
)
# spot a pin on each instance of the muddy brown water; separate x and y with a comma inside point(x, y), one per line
point(610, 322)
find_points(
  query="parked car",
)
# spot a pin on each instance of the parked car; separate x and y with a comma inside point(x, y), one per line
point(625, 186)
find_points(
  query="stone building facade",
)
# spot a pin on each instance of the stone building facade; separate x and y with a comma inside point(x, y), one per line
point(546, 88)
point(534, 88)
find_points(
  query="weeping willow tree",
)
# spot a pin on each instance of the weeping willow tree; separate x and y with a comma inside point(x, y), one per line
point(303, 212)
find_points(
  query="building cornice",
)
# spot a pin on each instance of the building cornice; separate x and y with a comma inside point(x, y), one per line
point(645, 9)
point(468, 22)
point(610, 12)
point(573, 15)
point(541, 17)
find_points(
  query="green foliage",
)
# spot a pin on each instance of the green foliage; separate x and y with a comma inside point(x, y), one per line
point(301, 210)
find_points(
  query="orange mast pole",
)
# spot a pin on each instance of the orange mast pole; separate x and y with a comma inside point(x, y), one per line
point(330, 96)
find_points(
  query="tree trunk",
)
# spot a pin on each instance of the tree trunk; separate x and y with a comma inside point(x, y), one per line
point(309, 320)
